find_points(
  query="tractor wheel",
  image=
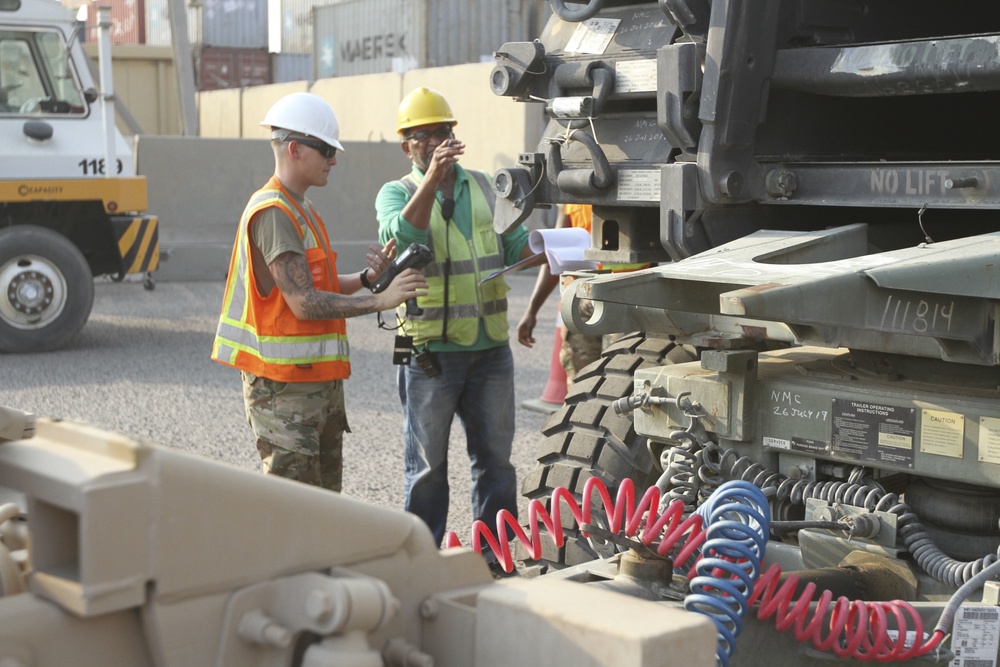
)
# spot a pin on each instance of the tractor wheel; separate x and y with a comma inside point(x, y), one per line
point(46, 289)
point(585, 438)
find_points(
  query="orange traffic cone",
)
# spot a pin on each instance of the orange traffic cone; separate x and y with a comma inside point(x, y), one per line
point(555, 388)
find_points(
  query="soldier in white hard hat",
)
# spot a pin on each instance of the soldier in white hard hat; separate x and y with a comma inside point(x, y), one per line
point(282, 323)
point(461, 332)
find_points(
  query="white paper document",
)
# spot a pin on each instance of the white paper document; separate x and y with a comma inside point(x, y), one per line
point(563, 248)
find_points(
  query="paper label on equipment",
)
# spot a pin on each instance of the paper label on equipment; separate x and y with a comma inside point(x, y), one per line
point(639, 185)
point(989, 440)
point(911, 637)
point(635, 76)
point(975, 635)
point(592, 36)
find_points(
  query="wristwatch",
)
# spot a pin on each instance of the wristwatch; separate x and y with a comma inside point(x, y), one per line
point(364, 280)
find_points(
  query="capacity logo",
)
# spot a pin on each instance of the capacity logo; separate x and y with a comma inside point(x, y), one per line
point(27, 190)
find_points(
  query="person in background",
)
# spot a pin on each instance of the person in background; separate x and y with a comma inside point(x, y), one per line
point(461, 338)
point(282, 323)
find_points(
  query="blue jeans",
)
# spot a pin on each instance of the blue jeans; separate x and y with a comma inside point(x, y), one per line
point(478, 386)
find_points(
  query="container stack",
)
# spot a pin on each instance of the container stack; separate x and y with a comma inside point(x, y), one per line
point(239, 43)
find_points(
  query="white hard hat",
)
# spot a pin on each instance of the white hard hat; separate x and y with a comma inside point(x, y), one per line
point(307, 114)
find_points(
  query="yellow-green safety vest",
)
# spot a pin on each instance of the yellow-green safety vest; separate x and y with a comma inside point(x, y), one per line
point(471, 260)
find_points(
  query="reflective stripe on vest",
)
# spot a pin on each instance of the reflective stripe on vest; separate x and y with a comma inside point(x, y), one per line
point(471, 260)
point(261, 335)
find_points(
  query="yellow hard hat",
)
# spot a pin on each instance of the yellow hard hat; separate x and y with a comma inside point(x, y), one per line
point(424, 106)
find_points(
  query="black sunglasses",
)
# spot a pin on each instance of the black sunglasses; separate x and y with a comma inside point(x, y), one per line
point(321, 147)
point(424, 135)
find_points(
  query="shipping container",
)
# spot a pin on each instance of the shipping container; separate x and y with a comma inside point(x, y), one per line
point(158, 25)
point(296, 29)
point(368, 37)
point(238, 24)
point(221, 67)
point(128, 21)
point(287, 67)
point(469, 31)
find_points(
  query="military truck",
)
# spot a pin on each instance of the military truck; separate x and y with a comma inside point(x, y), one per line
point(817, 184)
point(71, 205)
point(121, 552)
point(786, 458)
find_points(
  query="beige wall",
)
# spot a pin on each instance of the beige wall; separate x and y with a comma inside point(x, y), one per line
point(146, 83)
point(199, 185)
point(495, 129)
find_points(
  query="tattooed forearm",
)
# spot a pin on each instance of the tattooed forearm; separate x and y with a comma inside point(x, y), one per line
point(291, 275)
point(327, 305)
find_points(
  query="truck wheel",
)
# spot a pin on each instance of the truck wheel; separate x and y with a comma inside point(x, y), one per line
point(46, 289)
point(585, 438)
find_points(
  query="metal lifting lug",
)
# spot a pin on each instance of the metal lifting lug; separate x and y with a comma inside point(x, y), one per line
point(589, 10)
point(583, 182)
point(515, 189)
point(691, 16)
point(596, 77)
point(517, 64)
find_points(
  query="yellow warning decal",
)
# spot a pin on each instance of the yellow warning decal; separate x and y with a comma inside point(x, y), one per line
point(138, 242)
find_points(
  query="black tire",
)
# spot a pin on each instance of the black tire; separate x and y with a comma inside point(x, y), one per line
point(46, 289)
point(585, 438)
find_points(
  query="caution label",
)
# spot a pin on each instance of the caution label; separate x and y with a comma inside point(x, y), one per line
point(942, 433)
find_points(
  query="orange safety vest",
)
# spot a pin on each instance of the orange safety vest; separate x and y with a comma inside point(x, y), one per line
point(260, 334)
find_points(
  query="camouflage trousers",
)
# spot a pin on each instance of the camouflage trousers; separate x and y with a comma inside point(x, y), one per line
point(577, 351)
point(299, 428)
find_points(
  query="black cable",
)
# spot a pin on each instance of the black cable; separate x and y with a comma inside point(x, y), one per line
point(447, 211)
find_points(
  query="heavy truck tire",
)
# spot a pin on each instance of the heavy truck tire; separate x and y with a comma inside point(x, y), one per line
point(585, 438)
point(46, 289)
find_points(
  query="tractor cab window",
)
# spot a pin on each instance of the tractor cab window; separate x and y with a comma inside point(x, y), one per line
point(37, 77)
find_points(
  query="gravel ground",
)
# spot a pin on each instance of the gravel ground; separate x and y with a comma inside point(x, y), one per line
point(141, 366)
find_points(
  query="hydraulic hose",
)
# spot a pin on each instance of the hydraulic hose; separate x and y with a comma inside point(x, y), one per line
point(865, 493)
point(727, 556)
point(679, 538)
point(738, 523)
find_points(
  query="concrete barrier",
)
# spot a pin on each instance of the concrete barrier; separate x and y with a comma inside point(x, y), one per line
point(198, 188)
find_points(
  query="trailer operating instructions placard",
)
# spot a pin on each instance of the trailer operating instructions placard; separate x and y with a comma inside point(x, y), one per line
point(875, 433)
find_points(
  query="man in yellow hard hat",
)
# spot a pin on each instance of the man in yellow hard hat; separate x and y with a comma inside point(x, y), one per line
point(465, 366)
point(282, 323)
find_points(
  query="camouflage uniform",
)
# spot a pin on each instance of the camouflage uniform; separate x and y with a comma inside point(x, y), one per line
point(299, 428)
point(578, 350)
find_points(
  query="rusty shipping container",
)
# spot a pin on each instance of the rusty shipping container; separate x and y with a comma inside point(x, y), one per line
point(128, 21)
point(220, 67)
